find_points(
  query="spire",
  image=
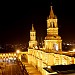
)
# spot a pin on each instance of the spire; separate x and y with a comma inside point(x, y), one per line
point(51, 13)
point(33, 28)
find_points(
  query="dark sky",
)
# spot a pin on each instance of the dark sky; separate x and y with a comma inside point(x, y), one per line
point(16, 18)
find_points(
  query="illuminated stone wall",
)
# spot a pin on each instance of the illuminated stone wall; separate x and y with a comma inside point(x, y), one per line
point(41, 59)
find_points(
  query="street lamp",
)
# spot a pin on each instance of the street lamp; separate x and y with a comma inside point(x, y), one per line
point(17, 51)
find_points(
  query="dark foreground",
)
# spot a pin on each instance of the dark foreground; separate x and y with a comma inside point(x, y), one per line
point(61, 69)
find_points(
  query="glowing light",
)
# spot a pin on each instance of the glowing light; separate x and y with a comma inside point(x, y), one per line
point(68, 44)
point(18, 51)
point(14, 58)
point(36, 47)
point(11, 58)
point(9, 53)
point(65, 52)
point(70, 51)
point(57, 47)
point(3, 54)
point(43, 48)
point(49, 66)
point(73, 50)
point(14, 54)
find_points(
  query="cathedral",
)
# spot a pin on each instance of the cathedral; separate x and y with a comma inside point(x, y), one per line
point(51, 53)
point(52, 41)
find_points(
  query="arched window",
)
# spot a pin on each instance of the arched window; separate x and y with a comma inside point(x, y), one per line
point(55, 46)
point(52, 25)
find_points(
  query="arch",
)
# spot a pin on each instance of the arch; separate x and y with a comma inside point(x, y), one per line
point(52, 25)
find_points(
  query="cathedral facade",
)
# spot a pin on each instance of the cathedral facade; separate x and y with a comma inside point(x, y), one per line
point(51, 53)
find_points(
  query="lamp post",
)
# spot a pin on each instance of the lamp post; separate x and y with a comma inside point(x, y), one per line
point(17, 52)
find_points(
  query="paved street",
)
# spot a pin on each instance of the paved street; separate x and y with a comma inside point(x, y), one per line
point(12, 69)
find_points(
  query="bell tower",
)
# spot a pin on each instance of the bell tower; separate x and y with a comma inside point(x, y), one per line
point(32, 34)
point(32, 42)
point(52, 28)
point(53, 41)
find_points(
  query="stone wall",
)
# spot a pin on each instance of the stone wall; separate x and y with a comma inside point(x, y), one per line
point(41, 59)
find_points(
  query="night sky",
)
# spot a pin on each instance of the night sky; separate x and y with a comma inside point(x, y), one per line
point(16, 19)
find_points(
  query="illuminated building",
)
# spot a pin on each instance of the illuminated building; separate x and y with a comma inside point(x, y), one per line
point(51, 53)
point(53, 41)
point(32, 42)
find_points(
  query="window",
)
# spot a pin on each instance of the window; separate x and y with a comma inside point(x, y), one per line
point(55, 46)
point(52, 25)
